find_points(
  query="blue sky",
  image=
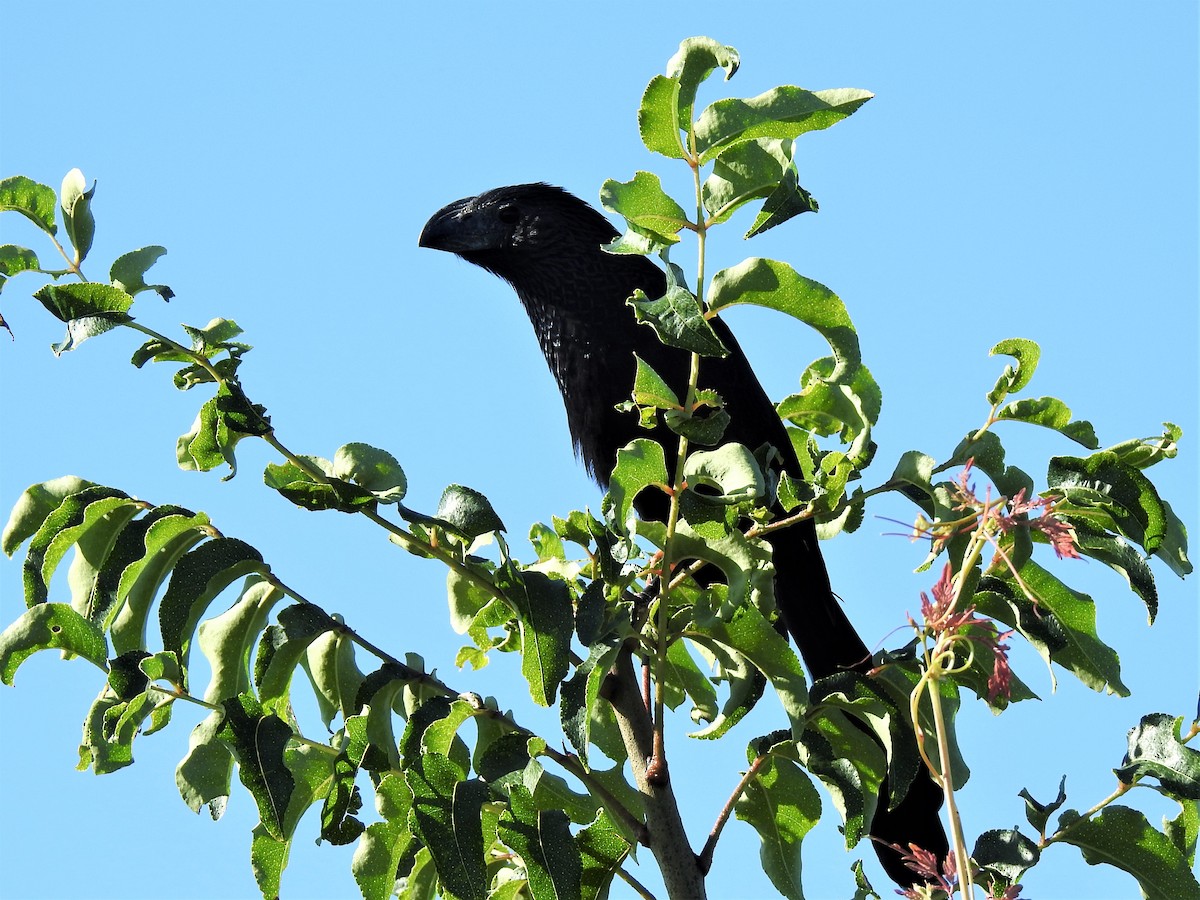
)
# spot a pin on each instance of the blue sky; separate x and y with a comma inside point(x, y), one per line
point(1024, 170)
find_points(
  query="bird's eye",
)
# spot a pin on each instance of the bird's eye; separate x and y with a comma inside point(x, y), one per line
point(508, 214)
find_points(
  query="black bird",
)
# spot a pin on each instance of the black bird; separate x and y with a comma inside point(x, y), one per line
point(547, 244)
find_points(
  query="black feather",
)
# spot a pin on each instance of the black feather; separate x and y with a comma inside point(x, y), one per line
point(548, 245)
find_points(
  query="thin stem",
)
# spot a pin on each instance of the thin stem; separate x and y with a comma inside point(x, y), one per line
point(641, 889)
point(710, 846)
point(961, 857)
point(575, 766)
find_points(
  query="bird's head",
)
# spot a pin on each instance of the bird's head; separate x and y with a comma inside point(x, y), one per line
point(514, 230)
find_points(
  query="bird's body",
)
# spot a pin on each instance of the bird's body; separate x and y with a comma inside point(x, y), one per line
point(547, 244)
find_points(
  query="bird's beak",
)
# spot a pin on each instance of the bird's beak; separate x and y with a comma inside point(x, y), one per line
point(455, 229)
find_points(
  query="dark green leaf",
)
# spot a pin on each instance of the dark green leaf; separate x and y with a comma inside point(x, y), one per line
point(1006, 853)
point(281, 649)
point(257, 742)
point(601, 852)
point(1114, 496)
point(446, 816)
point(678, 321)
point(1121, 837)
point(749, 634)
point(1039, 814)
point(467, 512)
point(782, 112)
point(1156, 751)
point(34, 201)
point(542, 838)
point(196, 580)
point(303, 488)
point(168, 537)
point(581, 693)
point(66, 526)
point(543, 608)
point(1061, 625)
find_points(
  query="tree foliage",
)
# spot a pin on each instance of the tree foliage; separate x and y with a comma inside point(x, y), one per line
point(496, 810)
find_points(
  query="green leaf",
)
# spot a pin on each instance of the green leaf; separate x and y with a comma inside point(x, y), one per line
point(1061, 625)
point(1049, 412)
point(77, 213)
point(649, 388)
point(645, 206)
point(1141, 453)
point(257, 742)
point(852, 778)
point(693, 62)
point(167, 538)
point(749, 634)
point(228, 639)
point(198, 578)
point(88, 308)
point(542, 838)
point(848, 408)
point(1121, 837)
point(14, 259)
point(33, 506)
point(128, 271)
point(1013, 379)
point(371, 468)
point(1157, 751)
point(1117, 553)
point(1112, 495)
point(658, 117)
point(1006, 853)
point(1038, 813)
point(63, 528)
point(1184, 829)
point(776, 285)
point(281, 649)
point(338, 682)
point(762, 168)
point(640, 464)
point(730, 473)
point(601, 852)
point(34, 201)
point(782, 805)
point(467, 512)
point(50, 626)
point(543, 608)
point(682, 677)
point(446, 816)
point(782, 112)
point(384, 844)
point(204, 774)
point(303, 488)
point(581, 693)
point(678, 321)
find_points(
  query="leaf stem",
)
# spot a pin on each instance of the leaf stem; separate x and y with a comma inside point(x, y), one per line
point(710, 846)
